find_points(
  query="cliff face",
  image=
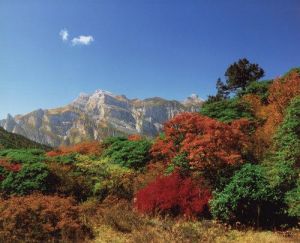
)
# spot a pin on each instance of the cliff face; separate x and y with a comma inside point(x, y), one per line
point(97, 116)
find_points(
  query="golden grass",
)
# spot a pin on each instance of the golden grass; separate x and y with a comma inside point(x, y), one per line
point(158, 231)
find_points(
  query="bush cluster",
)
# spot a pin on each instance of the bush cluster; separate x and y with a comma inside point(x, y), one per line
point(236, 161)
point(39, 218)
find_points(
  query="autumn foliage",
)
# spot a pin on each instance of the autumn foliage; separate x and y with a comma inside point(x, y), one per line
point(135, 137)
point(88, 148)
point(174, 195)
point(208, 143)
point(281, 92)
point(270, 115)
point(39, 218)
point(237, 160)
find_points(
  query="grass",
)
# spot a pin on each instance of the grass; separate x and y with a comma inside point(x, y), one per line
point(159, 230)
point(114, 221)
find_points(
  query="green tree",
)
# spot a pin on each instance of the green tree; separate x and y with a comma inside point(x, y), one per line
point(241, 73)
point(247, 198)
point(284, 163)
point(222, 92)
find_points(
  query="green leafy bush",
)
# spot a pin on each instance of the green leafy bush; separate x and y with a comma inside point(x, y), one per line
point(31, 177)
point(247, 198)
point(24, 155)
point(106, 178)
point(88, 176)
point(131, 154)
point(64, 159)
point(284, 164)
point(227, 110)
point(259, 88)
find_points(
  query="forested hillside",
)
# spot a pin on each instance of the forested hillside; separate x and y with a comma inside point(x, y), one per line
point(10, 140)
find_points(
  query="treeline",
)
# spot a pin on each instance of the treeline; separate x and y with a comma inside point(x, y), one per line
point(236, 161)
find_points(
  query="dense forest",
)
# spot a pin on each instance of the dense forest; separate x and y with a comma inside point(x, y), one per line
point(209, 176)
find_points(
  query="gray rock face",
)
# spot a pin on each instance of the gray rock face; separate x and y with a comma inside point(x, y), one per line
point(96, 116)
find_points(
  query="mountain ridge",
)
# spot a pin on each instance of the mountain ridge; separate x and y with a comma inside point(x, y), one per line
point(98, 115)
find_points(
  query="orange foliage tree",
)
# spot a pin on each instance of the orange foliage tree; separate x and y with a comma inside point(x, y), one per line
point(281, 92)
point(269, 116)
point(207, 143)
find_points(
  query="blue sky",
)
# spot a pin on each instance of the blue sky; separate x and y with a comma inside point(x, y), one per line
point(141, 48)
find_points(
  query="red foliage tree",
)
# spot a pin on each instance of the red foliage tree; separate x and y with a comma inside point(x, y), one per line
point(208, 143)
point(174, 195)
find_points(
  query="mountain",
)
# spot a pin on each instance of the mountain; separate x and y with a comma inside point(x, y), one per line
point(10, 140)
point(96, 116)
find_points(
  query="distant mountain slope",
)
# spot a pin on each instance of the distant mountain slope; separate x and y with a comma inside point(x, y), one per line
point(96, 116)
point(13, 141)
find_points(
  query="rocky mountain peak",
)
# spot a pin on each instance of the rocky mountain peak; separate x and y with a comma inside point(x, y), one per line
point(96, 116)
point(193, 99)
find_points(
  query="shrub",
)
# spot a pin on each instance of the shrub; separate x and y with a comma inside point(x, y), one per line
point(88, 147)
point(114, 180)
point(248, 198)
point(88, 176)
point(135, 137)
point(174, 195)
point(128, 153)
point(24, 155)
point(39, 218)
point(69, 158)
point(31, 177)
point(227, 110)
point(65, 181)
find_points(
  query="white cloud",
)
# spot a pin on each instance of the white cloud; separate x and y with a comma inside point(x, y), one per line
point(64, 34)
point(82, 40)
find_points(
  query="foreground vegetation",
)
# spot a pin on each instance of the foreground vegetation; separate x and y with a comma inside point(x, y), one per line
point(227, 174)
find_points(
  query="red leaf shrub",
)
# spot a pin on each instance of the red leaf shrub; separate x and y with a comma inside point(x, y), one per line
point(172, 195)
point(39, 218)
